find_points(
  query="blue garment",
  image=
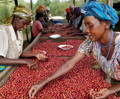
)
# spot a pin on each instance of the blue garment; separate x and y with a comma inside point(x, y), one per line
point(101, 11)
point(92, 0)
point(3, 67)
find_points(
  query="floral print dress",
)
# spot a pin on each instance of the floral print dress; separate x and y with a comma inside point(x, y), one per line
point(110, 67)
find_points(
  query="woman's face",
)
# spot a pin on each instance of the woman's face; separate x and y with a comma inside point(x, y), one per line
point(41, 18)
point(94, 28)
point(21, 24)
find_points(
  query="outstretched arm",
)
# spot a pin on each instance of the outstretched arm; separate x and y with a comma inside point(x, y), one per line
point(27, 62)
point(62, 70)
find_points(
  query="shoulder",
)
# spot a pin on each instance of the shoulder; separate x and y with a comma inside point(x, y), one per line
point(86, 46)
point(3, 31)
point(3, 37)
point(37, 22)
point(117, 39)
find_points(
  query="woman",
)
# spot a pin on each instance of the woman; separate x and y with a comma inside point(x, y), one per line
point(11, 45)
point(40, 24)
point(99, 20)
point(42, 11)
point(37, 26)
point(68, 14)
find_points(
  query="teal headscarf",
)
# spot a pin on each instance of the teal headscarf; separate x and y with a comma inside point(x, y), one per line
point(101, 11)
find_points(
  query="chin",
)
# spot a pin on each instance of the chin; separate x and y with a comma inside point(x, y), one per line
point(92, 39)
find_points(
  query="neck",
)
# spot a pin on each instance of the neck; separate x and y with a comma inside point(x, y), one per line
point(105, 39)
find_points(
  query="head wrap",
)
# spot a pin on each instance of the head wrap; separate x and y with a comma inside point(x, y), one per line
point(41, 8)
point(68, 10)
point(22, 12)
point(77, 10)
point(101, 11)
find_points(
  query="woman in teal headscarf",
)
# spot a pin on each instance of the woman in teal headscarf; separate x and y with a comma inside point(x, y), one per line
point(103, 42)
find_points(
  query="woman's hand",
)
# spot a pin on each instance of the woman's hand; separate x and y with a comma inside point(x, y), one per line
point(41, 57)
point(101, 94)
point(34, 89)
point(32, 65)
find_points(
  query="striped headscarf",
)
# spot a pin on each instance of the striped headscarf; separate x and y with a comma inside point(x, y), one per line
point(23, 12)
point(20, 11)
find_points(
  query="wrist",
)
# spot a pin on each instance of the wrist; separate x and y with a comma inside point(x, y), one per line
point(111, 91)
point(42, 83)
point(45, 81)
point(26, 61)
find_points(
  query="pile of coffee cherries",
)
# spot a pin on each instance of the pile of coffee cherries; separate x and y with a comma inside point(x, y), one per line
point(76, 84)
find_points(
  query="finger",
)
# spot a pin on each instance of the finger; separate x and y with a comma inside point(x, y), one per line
point(31, 91)
point(46, 57)
point(33, 94)
point(39, 58)
point(93, 95)
point(32, 67)
point(35, 67)
point(99, 93)
point(29, 67)
point(91, 91)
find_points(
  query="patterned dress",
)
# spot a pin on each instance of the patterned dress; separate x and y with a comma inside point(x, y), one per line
point(110, 67)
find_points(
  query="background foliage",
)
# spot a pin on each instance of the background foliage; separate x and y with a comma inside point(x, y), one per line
point(57, 7)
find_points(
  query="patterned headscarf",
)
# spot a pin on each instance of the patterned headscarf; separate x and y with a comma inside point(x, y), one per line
point(101, 11)
point(68, 10)
point(22, 12)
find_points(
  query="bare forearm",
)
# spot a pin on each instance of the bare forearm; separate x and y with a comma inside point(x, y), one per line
point(62, 70)
point(65, 67)
point(115, 88)
point(27, 54)
point(7, 61)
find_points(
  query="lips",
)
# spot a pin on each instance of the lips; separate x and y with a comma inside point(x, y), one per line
point(90, 36)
